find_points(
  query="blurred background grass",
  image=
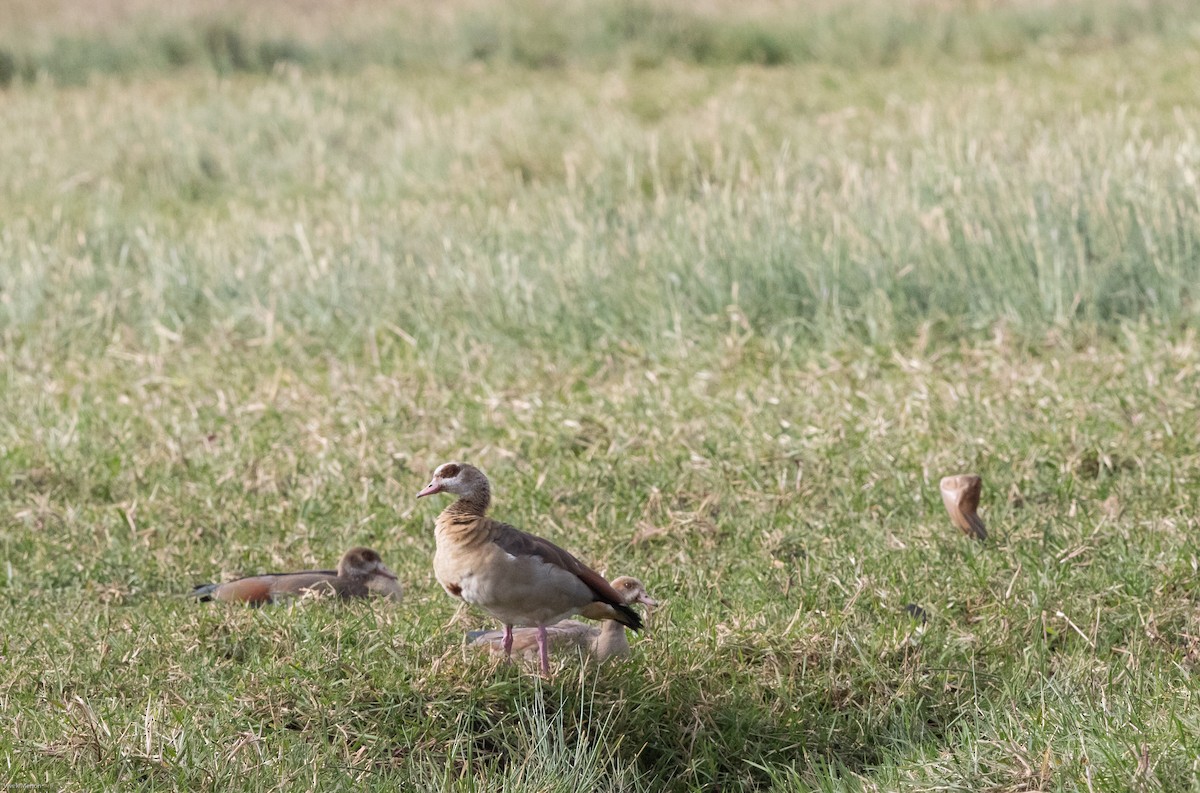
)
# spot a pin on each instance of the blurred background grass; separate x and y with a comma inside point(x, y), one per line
point(612, 198)
point(66, 42)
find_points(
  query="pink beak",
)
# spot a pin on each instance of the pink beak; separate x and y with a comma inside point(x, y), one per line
point(647, 601)
point(385, 572)
point(433, 487)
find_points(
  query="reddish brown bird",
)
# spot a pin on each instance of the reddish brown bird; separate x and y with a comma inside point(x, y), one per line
point(516, 577)
point(359, 573)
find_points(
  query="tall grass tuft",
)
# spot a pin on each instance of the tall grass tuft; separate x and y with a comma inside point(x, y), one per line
point(546, 748)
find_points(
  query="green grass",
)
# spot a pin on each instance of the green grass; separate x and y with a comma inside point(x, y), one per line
point(717, 319)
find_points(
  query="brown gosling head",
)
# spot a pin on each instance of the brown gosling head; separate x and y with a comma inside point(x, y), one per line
point(461, 479)
point(363, 563)
point(633, 591)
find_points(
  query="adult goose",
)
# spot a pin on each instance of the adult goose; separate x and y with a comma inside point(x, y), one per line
point(607, 641)
point(359, 573)
point(516, 577)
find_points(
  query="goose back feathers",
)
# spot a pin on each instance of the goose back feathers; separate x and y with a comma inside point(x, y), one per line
point(360, 573)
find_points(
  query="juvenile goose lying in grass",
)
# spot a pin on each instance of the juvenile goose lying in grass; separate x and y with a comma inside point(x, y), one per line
point(516, 577)
point(607, 641)
point(360, 573)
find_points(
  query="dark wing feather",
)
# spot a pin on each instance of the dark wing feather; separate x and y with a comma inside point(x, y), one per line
point(300, 572)
point(519, 543)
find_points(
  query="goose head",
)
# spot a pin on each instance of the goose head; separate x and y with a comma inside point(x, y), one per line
point(363, 563)
point(633, 591)
point(461, 479)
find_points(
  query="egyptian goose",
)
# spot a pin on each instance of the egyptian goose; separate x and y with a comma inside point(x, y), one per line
point(516, 577)
point(360, 573)
point(960, 495)
point(607, 641)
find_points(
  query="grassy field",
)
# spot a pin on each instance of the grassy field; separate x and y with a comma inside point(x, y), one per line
point(715, 293)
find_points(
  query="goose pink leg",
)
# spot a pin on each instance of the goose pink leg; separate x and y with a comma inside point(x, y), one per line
point(508, 639)
point(543, 650)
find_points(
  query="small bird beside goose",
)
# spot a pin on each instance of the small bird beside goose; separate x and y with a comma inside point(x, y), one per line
point(359, 573)
point(516, 577)
point(607, 641)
